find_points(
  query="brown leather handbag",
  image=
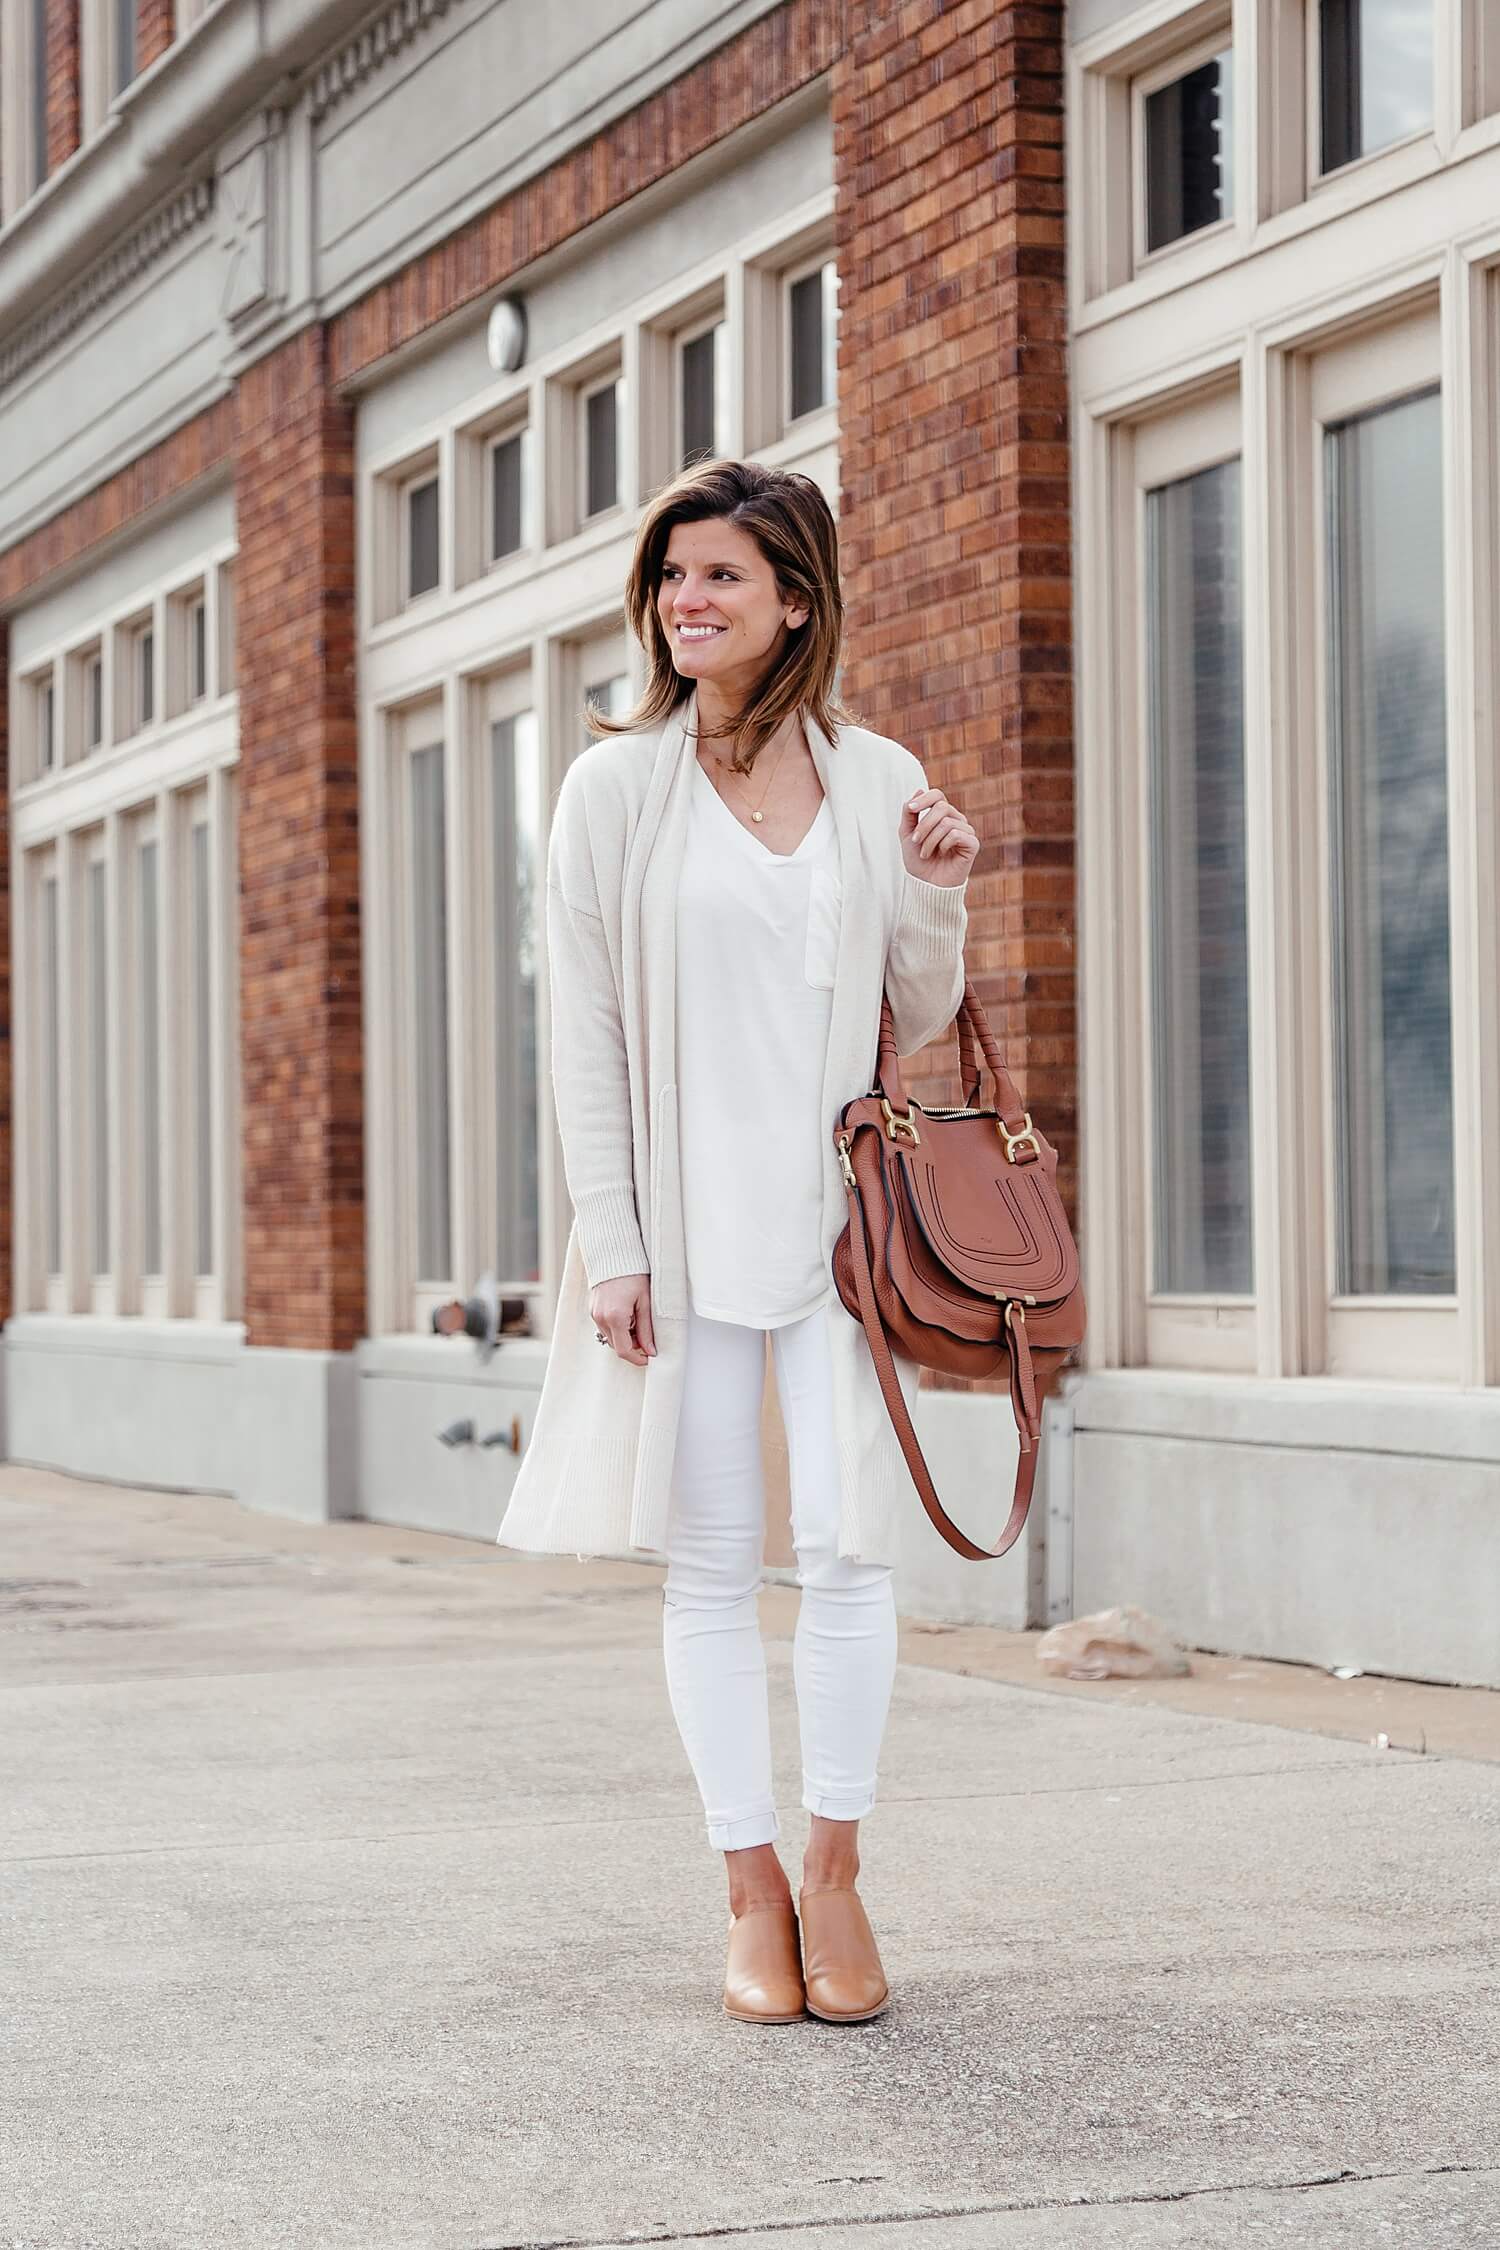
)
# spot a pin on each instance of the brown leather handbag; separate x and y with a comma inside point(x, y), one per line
point(958, 1250)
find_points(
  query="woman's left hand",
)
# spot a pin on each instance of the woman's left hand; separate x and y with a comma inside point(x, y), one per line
point(937, 842)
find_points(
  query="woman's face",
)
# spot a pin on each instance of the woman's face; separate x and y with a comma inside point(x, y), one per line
point(719, 608)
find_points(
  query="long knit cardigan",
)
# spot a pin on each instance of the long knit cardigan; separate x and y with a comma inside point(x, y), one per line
point(595, 1476)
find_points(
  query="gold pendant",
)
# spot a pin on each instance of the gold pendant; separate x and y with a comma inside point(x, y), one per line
point(757, 816)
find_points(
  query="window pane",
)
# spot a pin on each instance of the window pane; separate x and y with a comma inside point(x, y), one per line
point(145, 665)
point(429, 896)
point(1199, 970)
point(601, 439)
point(701, 358)
point(93, 701)
point(422, 538)
point(51, 1043)
point(1393, 1067)
point(507, 481)
point(1189, 144)
point(1376, 69)
point(813, 311)
point(516, 754)
point(148, 1063)
point(39, 14)
point(198, 651)
point(202, 1036)
point(98, 1054)
point(124, 43)
point(46, 732)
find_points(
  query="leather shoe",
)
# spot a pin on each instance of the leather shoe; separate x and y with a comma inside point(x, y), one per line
point(763, 1974)
point(845, 1982)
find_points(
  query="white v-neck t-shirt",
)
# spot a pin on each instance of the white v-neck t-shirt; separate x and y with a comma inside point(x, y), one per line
point(757, 938)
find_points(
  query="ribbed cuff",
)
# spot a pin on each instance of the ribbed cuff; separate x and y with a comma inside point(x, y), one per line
point(609, 1235)
point(935, 915)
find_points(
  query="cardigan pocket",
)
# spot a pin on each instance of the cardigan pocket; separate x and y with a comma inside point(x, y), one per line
point(820, 953)
point(667, 1252)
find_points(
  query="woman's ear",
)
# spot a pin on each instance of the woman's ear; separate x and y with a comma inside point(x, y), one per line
point(796, 616)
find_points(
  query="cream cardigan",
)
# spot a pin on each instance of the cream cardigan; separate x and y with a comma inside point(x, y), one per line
point(595, 1475)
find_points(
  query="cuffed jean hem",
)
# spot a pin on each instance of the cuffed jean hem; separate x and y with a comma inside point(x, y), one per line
point(829, 1805)
point(744, 1834)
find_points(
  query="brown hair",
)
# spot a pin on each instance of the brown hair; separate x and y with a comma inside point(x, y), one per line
point(787, 516)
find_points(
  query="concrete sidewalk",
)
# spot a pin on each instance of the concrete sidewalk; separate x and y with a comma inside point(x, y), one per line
point(356, 1895)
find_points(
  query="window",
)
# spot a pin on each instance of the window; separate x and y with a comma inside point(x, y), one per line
point(601, 447)
point(187, 650)
point(420, 533)
point(1188, 124)
point(703, 393)
point(812, 331)
point(135, 676)
point(1199, 982)
point(1392, 1040)
point(46, 724)
point(200, 1035)
point(515, 793)
point(224, 618)
point(146, 966)
point(39, 13)
point(122, 44)
point(145, 1068)
point(96, 1051)
point(197, 649)
point(91, 683)
point(509, 493)
point(49, 1069)
point(1375, 73)
point(427, 888)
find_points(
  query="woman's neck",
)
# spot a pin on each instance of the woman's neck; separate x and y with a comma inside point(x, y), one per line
point(716, 712)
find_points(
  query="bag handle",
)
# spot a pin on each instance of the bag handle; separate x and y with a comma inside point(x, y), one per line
point(973, 1030)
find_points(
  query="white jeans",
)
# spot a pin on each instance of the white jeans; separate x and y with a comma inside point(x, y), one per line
point(844, 1653)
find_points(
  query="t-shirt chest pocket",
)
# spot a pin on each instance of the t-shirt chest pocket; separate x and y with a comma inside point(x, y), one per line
point(824, 901)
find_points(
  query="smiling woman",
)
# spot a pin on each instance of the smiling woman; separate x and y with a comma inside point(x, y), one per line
point(731, 886)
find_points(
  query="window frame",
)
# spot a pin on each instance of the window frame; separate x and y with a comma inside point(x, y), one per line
point(802, 269)
point(1396, 1337)
point(1151, 79)
point(1207, 1331)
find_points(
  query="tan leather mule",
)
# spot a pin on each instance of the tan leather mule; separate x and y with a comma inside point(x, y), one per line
point(841, 1967)
point(763, 1975)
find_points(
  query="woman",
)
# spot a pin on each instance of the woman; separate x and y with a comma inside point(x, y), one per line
point(730, 883)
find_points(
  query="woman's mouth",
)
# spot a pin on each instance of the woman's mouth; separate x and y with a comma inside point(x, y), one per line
point(700, 632)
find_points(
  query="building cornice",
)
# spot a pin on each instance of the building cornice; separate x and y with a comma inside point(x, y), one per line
point(141, 249)
point(371, 49)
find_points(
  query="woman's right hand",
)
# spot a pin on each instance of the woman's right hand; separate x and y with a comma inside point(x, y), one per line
point(621, 1309)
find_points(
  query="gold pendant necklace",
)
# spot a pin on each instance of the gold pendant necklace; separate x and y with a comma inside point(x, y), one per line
point(757, 817)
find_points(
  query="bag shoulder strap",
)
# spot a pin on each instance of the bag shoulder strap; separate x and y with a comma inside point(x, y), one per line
point(1023, 1402)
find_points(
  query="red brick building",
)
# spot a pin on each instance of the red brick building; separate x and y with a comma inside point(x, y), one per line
point(306, 573)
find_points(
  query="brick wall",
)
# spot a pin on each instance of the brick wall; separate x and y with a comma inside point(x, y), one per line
point(948, 153)
point(300, 1033)
point(64, 87)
